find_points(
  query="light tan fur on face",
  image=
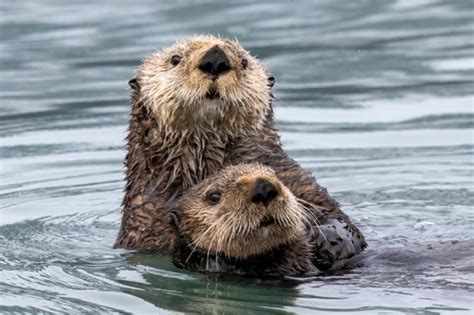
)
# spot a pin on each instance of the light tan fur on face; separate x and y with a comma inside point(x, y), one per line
point(232, 227)
point(177, 94)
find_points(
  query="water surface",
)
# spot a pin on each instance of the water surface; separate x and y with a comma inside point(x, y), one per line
point(374, 97)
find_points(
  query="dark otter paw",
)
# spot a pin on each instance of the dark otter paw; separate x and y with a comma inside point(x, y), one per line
point(334, 244)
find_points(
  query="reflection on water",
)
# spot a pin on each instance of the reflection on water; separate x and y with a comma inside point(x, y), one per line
point(373, 96)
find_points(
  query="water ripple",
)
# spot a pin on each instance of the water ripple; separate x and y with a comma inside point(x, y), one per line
point(373, 97)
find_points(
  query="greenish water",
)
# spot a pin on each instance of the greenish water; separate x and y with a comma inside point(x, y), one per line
point(374, 97)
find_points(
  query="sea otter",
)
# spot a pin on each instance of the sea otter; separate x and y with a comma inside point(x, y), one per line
point(198, 106)
point(244, 220)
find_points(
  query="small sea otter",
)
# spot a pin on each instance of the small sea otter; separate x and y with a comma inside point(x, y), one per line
point(244, 220)
point(197, 107)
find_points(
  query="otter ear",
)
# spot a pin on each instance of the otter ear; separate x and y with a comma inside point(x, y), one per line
point(271, 81)
point(134, 84)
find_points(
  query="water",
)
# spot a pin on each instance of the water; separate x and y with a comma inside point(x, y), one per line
point(374, 97)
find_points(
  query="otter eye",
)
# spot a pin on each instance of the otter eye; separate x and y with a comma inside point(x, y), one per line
point(214, 197)
point(175, 60)
point(244, 63)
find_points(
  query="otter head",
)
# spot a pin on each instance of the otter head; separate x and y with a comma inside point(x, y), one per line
point(205, 82)
point(241, 212)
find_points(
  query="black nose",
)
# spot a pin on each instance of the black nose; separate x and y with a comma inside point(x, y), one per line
point(263, 192)
point(214, 62)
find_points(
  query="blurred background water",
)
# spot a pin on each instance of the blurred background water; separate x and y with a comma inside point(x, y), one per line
point(375, 97)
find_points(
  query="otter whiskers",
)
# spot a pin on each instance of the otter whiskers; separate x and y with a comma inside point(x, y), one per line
point(197, 242)
point(309, 215)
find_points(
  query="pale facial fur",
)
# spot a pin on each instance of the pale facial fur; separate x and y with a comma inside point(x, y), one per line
point(236, 226)
point(177, 93)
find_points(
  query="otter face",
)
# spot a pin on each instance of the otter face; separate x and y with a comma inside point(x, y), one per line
point(243, 211)
point(203, 82)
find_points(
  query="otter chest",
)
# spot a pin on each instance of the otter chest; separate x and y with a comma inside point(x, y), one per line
point(178, 165)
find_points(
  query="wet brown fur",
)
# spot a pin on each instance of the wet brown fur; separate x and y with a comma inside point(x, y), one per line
point(177, 138)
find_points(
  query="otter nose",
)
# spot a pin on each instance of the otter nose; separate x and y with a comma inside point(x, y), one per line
point(263, 192)
point(214, 62)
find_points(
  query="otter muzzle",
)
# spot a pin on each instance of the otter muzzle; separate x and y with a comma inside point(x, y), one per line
point(214, 62)
point(264, 192)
